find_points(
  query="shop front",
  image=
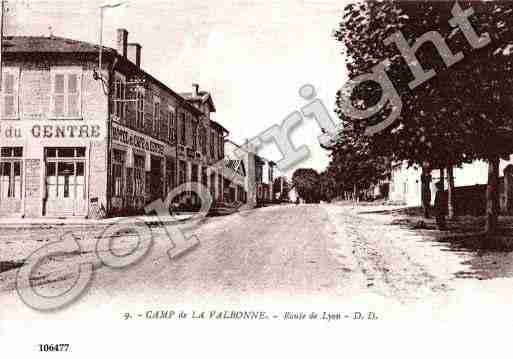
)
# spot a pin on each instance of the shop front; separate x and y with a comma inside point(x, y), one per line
point(139, 173)
point(65, 181)
point(11, 164)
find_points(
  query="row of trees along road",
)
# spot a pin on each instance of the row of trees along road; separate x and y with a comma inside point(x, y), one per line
point(460, 115)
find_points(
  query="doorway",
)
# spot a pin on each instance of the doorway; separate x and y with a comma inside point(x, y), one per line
point(65, 181)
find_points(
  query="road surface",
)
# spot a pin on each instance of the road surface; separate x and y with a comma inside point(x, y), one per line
point(286, 256)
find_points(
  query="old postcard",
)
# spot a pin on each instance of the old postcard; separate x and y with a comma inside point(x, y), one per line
point(250, 178)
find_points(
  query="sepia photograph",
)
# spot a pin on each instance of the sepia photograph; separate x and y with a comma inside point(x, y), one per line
point(250, 178)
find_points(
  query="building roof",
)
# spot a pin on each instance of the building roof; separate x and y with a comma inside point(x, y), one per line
point(236, 166)
point(203, 96)
point(56, 44)
point(258, 159)
point(218, 126)
point(50, 44)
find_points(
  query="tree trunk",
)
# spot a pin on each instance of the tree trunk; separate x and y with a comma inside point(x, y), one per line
point(450, 193)
point(425, 180)
point(492, 196)
point(355, 195)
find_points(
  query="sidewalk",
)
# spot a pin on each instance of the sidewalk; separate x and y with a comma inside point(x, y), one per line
point(81, 221)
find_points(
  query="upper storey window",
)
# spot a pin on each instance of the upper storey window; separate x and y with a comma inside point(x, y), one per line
point(119, 107)
point(66, 92)
point(157, 125)
point(9, 93)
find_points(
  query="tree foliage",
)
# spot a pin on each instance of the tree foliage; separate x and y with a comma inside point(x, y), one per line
point(452, 118)
point(459, 115)
point(306, 181)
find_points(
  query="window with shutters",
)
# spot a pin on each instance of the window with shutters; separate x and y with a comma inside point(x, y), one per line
point(212, 144)
point(203, 140)
point(156, 116)
point(119, 108)
point(139, 113)
point(9, 94)
point(182, 129)
point(220, 148)
point(171, 123)
point(67, 93)
point(194, 135)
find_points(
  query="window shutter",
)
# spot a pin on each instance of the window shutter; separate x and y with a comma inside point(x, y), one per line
point(9, 95)
point(73, 96)
point(58, 95)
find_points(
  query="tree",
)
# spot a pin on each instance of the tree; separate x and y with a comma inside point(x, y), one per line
point(354, 165)
point(328, 186)
point(306, 181)
point(447, 120)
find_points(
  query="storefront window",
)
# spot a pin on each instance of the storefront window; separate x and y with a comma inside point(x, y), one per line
point(204, 176)
point(220, 187)
point(139, 176)
point(183, 172)
point(194, 173)
point(129, 190)
point(213, 185)
point(170, 173)
point(10, 172)
point(65, 173)
point(118, 169)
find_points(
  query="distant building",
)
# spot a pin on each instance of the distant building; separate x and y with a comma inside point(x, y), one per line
point(259, 173)
point(405, 183)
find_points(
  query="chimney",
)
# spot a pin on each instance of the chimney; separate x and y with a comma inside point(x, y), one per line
point(134, 53)
point(195, 90)
point(122, 39)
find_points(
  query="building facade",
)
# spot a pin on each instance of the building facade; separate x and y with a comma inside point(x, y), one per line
point(76, 140)
point(405, 182)
point(259, 173)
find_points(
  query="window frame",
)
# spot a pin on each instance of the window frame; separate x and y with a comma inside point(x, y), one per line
point(17, 193)
point(194, 131)
point(120, 103)
point(157, 116)
point(212, 144)
point(183, 129)
point(15, 72)
point(139, 108)
point(118, 165)
point(139, 174)
point(171, 117)
point(67, 71)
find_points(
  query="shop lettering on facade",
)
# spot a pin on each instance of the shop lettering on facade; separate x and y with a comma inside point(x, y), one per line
point(137, 141)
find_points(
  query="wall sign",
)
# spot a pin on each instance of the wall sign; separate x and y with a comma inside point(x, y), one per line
point(133, 139)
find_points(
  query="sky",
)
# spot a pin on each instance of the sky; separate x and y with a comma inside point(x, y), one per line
point(253, 56)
